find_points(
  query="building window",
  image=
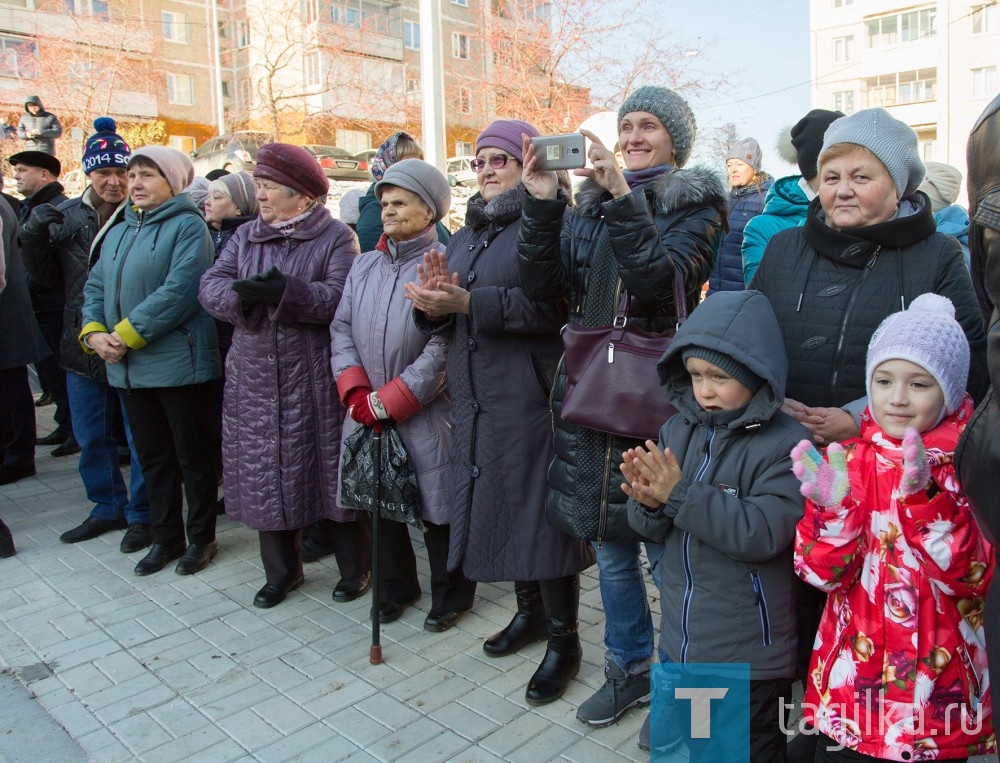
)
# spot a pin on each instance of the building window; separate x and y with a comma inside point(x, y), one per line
point(896, 28)
point(411, 35)
point(183, 143)
point(180, 89)
point(464, 101)
point(843, 49)
point(412, 90)
point(246, 94)
point(984, 82)
point(18, 58)
point(225, 88)
point(911, 86)
point(844, 101)
point(985, 18)
point(459, 45)
point(96, 8)
point(842, 3)
point(15, 3)
point(310, 11)
point(463, 3)
point(175, 27)
point(314, 69)
point(241, 33)
point(463, 148)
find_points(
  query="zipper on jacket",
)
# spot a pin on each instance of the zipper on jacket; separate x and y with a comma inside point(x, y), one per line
point(118, 294)
point(190, 341)
point(765, 622)
point(686, 548)
point(602, 517)
point(847, 314)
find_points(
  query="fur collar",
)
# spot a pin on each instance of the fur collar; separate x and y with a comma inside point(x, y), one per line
point(672, 191)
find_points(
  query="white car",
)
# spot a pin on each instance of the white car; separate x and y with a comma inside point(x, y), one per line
point(460, 171)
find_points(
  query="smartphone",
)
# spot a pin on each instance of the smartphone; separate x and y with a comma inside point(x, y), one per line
point(560, 152)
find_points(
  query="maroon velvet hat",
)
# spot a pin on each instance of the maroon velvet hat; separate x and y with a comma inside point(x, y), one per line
point(292, 166)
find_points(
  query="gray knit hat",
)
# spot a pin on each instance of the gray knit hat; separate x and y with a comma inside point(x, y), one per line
point(747, 150)
point(892, 141)
point(240, 187)
point(734, 368)
point(421, 178)
point(672, 110)
point(926, 334)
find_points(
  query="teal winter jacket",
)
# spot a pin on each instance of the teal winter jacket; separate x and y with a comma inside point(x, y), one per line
point(785, 207)
point(145, 287)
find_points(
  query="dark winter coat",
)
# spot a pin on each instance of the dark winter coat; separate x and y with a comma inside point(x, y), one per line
point(501, 361)
point(369, 224)
point(728, 526)
point(45, 123)
point(831, 289)
point(281, 417)
point(145, 287)
point(21, 340)
point(220, 237)
point(639, 239)
point(48, 297)
point(374, 330)
point(745, 203)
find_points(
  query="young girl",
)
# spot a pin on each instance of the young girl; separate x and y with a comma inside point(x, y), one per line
point(898, 670)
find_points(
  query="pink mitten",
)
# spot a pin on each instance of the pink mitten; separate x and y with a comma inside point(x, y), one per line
point(823, 482)
point(916, 467)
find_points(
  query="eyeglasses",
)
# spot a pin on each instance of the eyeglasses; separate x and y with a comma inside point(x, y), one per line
point(496, 162)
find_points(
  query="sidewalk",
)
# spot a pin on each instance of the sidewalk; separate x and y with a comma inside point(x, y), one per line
point(167, 668)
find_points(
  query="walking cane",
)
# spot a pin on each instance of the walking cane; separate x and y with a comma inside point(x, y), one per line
point(375, 654)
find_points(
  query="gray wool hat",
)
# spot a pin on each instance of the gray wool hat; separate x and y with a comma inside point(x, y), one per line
point(892, 141)
point(747, 150)
point(421, 178)
point(672, 110)
point(733, 367)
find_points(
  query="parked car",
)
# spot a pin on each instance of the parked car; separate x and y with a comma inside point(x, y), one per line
point(365, 158)
point(338, 163)
point(232, 152)
point(460, 172)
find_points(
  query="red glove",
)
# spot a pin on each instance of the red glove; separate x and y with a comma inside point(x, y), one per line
point(357, 397)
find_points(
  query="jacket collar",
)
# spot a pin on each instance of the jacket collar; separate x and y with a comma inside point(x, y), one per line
point(179, 204)
point(45, 194)
point(310, 227)
point(675, 189)
point(407, 250)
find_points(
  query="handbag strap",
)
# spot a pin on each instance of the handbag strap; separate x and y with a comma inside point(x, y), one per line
point(680, 301)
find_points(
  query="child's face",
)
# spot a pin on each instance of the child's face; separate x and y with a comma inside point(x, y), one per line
point(714, 389)
point(904, 395)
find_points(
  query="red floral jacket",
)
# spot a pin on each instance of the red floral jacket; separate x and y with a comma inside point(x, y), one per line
point(898, 669)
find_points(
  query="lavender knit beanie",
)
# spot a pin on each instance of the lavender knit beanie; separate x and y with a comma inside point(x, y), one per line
point(928, 335)
point(505, 134)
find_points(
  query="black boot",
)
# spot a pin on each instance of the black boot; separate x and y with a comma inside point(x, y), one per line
point(527, 625)
point(6, 541)
point(562, 656)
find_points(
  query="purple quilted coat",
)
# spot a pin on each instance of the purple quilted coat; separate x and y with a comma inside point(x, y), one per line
point(281, 416)
point(374, 329)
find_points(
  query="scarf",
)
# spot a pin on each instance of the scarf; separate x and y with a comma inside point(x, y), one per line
point(503, 207)
point(639, 179)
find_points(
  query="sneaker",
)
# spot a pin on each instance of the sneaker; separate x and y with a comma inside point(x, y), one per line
point(137, 537)
point(670, 736)
point(621, 691)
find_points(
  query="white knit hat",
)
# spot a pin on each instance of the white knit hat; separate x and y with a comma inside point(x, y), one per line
point(942, 184)
point(928, 335)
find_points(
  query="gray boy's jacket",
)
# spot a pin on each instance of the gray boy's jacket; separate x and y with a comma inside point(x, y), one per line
point(39, 131)
point(728, 582)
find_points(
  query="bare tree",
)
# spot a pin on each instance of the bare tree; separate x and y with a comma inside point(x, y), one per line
point(718, 140)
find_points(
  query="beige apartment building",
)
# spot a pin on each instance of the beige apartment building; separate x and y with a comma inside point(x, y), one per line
point(342, 72)
point(931, 64)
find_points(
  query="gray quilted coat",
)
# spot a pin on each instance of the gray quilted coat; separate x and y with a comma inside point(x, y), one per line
point(374, 329)
point(281, 417)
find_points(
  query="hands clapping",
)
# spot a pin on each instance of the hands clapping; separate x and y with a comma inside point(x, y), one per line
point(650, 474)
point(437, 293)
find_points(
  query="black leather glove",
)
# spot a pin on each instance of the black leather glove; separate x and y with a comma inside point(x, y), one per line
point(41, 218)
point(263, 288)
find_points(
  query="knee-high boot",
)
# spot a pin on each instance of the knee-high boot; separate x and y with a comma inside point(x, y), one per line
point(6, 541)
point(561, 662)
point(527, 625)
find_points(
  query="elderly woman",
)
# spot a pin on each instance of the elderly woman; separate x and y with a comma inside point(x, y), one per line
point(141, 316)
point(231, 202)
point(638, 228)
point(387, 370)
point(279, 281)
point(503, 351)
point(748, 187)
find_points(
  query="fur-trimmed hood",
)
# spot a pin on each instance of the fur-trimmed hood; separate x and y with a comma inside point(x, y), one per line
point(673, 190)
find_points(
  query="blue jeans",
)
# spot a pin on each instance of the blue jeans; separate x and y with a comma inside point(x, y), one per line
point(628, 624)
point(93, 405)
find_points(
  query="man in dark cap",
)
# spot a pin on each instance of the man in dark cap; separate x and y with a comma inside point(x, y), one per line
point(38, 128)
point(36, 173)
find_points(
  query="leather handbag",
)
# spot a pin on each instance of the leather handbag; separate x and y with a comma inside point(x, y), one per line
point(611, 380)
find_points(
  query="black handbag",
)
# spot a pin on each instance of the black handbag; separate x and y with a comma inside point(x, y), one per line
point(399, 496)
point(611, 380)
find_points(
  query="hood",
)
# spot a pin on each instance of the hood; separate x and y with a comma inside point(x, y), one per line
point(35, 100)
point(178, 205)
point(672, 191)
point(786, 198)
point(740, 324)
point(953, 220)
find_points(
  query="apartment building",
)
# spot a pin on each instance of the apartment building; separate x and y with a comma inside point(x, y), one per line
point(931, 64)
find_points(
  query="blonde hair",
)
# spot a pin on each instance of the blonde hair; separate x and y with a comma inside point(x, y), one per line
point(837, 150)
point(408, 148)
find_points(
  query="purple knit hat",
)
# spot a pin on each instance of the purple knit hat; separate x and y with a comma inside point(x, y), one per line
point(505, 134)
point(291, 166)
point(386, 155)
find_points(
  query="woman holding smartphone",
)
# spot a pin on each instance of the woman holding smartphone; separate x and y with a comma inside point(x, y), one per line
point(638, 227)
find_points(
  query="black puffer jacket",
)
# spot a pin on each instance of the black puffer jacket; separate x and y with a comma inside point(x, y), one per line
point(47, 297)
point(678, 220)
point(831, 289)
point(63, 255)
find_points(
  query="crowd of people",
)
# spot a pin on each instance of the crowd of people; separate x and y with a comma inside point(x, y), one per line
point(803, 512)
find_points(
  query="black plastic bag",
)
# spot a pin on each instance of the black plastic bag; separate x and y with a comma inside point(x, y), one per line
point(400, 498)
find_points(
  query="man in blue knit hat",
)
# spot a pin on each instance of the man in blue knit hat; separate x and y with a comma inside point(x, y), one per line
point(70, 237)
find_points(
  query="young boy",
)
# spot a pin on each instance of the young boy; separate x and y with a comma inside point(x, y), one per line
point(898, 670)
point(719, 493)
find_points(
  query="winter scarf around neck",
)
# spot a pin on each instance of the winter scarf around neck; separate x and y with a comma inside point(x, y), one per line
point(639, 179)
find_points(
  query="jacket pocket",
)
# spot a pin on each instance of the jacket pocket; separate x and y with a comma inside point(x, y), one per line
point(191, 348)
point(761, 601)
point(544, 385)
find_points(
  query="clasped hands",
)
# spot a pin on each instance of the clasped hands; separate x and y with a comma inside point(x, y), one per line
point(263, 288)
point(437, 294)
point(650, 474)
point(110, 348)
